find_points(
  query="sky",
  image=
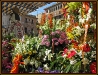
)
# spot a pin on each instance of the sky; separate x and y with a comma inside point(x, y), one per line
point(41, 9)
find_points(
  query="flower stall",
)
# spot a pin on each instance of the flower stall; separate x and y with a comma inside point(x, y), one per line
point(61, 47)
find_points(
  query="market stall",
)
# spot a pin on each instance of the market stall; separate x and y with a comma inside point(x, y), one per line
point(68, 47)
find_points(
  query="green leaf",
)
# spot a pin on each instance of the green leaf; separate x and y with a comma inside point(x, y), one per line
point(67, 69)
point(52, 64)
point(76, 67)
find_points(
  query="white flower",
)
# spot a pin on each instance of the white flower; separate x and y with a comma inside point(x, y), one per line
point(93, 55)
point(81, 20)
point(28, 42)
point(23, 38)
point(36, 64)
point(65, 55)
point(68, 17)
point(31, 62)
point(46, 67)
point(49, 56)
point(80, 53)
point(47, 52)
point(73, 62)
point(26, 61)
point(93, 52)
point(44, 58)
point(85, 61)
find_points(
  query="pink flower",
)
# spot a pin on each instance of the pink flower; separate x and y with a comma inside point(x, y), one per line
point(46, 36)
point(71, 54)
point(47, 44)
point(4, 61)
point(62, 36)
point(4, 43)
point(60, 41)
point(66, 41)
point(54, 39)
point(52, 33)
point(57, 31)
point(56, 43)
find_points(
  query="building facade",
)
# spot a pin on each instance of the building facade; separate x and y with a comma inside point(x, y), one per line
point(55, 10)
point(5, 20)
point(39, 17)
point(28, 22)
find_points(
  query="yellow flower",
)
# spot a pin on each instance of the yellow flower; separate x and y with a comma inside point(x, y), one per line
point(64, 66)
point(28, 57)
point(37, 57)
point(24, 52)
point(70, 36)
point(34, 51)
point(30, 53)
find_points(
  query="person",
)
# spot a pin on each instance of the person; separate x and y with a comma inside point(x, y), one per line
point(16, 26)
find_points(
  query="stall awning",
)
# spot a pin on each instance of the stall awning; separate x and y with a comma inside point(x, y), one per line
point(24, 7)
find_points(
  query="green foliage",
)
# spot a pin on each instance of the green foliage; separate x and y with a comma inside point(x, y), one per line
point(76, 67)
point(73, 6)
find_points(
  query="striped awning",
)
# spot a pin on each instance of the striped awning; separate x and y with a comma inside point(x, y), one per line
point(24, 7)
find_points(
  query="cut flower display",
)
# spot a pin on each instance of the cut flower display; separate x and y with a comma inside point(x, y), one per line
point(69, 47)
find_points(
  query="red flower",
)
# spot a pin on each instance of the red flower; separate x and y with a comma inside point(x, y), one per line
point(65, 51)
point(86, 48)
point(3, 52)
point(93, 67)
point(86, 6)
point(71, 54)
point(65, 12)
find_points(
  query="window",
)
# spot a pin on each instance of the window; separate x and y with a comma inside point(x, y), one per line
point(56, 7)
point(25, 30)
point(61, 6)
point(32, 22)
point(25, 20)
